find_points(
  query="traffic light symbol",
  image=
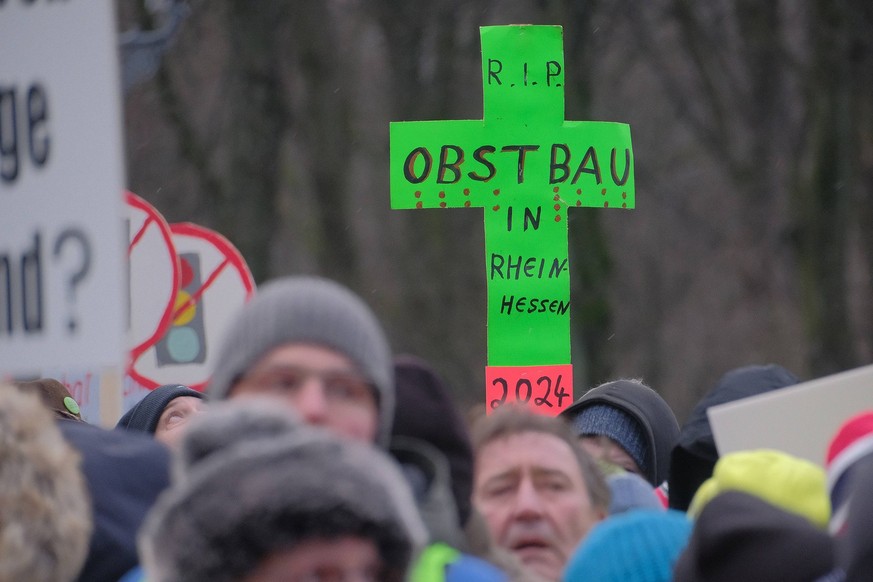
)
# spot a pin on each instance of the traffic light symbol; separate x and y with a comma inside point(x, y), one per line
point(185, 340)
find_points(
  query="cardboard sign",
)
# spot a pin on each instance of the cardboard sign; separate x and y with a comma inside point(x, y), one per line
point(800, 420)
point(525, 165)
point(61, 177)
point(153, 274)
point(214, 283)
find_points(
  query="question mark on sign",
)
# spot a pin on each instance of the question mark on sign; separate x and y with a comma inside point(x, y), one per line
point(75, 238)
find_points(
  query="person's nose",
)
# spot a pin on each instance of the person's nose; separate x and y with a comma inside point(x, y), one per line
point(528, 503)
point(311, 403)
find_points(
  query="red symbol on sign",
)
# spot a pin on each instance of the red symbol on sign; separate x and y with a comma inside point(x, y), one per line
point(153, 275)
point(214, 282)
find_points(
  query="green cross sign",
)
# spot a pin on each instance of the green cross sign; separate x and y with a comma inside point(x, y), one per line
point(524, 165)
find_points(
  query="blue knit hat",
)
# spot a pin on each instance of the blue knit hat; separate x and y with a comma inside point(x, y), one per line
point(637, 546)
point(606, 420)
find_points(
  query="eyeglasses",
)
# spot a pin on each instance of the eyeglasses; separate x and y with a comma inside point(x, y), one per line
point(340, 387)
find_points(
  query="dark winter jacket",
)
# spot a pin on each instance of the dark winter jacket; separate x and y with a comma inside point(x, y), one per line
point(125, 473)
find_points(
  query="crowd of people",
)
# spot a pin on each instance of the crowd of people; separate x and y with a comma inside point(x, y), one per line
point(317, 454)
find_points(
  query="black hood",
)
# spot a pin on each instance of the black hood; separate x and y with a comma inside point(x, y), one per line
point(648, 408)
point(695, 455)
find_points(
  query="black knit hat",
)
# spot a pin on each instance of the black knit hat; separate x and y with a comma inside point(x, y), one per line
point(742, 537)
point(146, 413)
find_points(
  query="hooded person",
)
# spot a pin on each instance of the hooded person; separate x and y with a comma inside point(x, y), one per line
point(694, 456)
point(316, 345)
point(164, 412)
point(431, 442)
point(300, 503)
point(632, 417)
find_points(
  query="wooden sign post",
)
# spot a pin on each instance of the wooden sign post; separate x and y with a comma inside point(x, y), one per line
point(525, 165)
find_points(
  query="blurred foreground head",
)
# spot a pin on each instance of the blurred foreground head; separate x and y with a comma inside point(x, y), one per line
point(45, 512)
point(739, 536)
point(283, 502)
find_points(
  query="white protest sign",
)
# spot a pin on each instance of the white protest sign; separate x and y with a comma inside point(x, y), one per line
point(800, 420)
point(215, 282)
point(61, 184)
point(153, 281)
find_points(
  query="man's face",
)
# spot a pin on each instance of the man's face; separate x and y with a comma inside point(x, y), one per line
point(175, 417)
point(529, 488)
point(323, 386)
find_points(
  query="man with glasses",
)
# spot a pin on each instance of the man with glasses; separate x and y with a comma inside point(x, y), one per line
point(317, 347)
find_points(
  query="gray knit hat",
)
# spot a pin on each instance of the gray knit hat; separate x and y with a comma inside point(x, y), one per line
point(263, 496)
point(313, 310)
